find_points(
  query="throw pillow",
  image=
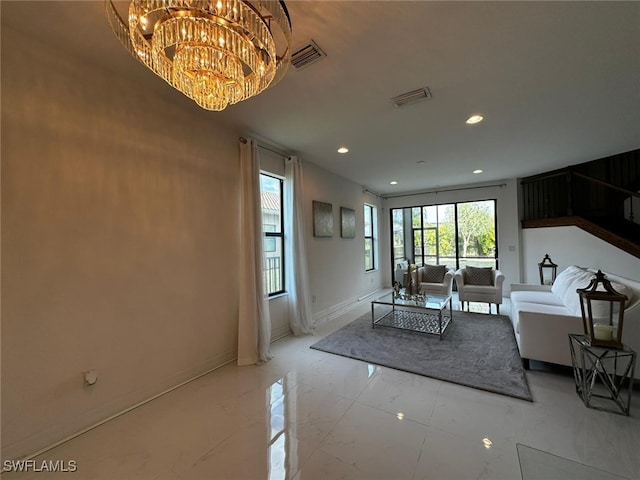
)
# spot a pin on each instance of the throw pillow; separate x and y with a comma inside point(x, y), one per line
point(571, 299)
point(564, 280)
point(433, 273)
point(478, 276)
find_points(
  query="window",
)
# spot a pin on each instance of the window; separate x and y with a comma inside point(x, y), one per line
point(272, 227)
point(456, 234)
point(370, 236)
point(398, 235)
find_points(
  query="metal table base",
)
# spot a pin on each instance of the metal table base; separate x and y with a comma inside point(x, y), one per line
point(604, 376)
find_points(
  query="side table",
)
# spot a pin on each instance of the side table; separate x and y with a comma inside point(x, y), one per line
point(604, 376)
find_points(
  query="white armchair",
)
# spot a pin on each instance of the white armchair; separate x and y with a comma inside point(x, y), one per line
point(435, 279)
point(480, 285)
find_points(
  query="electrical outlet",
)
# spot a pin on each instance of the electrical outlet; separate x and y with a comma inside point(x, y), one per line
point(90, 378)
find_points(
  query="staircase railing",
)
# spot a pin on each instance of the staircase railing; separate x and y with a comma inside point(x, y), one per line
point(547, 196)
point(567, 193)
point(567, 197)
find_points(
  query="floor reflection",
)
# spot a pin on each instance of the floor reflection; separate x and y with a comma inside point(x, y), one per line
point(282, 452)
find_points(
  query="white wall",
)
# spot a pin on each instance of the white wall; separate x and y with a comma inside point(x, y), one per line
point(573, 246)
point(119, 244)
point(336, 265)
point(506, 195)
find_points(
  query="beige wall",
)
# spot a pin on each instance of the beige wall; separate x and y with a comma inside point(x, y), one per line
point(119, 240)
point(119, 245)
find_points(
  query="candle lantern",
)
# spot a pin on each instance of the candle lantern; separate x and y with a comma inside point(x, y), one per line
point(602, 312)
point(411, 281)
point(547, 270)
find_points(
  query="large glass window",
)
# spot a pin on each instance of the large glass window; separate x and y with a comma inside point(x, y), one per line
point(476, 234)
point(272, 227)
point(433, 234)
point(370, 236)
point(456, 234)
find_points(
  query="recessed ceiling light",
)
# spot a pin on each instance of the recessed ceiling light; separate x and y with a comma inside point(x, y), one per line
point(343, 150)
point(474, 119)
point(420, 162)
point(477, 171)
point(393, 182)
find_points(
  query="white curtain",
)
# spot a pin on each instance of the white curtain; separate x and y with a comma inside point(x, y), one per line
point(254, 325)
point(296, 270)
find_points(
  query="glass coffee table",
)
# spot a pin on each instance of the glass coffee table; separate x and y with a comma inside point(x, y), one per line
point(418, 313)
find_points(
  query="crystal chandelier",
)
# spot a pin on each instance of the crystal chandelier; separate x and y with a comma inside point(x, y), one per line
point(216, 52)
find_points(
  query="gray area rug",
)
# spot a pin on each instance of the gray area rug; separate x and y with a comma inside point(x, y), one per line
point(477, 350)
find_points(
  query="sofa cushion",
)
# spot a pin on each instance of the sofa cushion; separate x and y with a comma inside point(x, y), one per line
point(483, 289)
point(571, 299)
point(478, 276)
point(534, 296)
point(433, 273)
point(537, 308)
point(624, 290)
point(621, 287)
point(564, 279)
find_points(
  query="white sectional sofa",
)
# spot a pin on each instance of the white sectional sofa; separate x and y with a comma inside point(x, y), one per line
point(543, 316)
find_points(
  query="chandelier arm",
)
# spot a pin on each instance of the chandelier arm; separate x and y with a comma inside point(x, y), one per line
point(119, 27)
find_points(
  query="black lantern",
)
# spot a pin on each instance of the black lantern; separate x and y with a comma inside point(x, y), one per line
point(548, 271)
point(602, 312)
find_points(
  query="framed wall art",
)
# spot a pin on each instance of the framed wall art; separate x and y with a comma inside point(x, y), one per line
point(322, 219)
point(347, 222)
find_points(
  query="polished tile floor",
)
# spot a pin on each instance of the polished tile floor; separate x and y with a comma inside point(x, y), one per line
point(312, 415)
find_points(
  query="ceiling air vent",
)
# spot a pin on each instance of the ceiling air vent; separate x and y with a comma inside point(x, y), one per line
point(411, 97)
point(306, 55)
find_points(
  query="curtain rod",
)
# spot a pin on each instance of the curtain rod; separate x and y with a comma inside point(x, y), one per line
point(272, 150)
point(445, 190)
point(374, 194)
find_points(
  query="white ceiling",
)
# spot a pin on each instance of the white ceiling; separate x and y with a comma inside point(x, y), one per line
point(557, 82)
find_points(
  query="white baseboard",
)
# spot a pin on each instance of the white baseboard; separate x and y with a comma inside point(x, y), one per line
point(335, 311)
point(279, 333)
point(60, 433)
